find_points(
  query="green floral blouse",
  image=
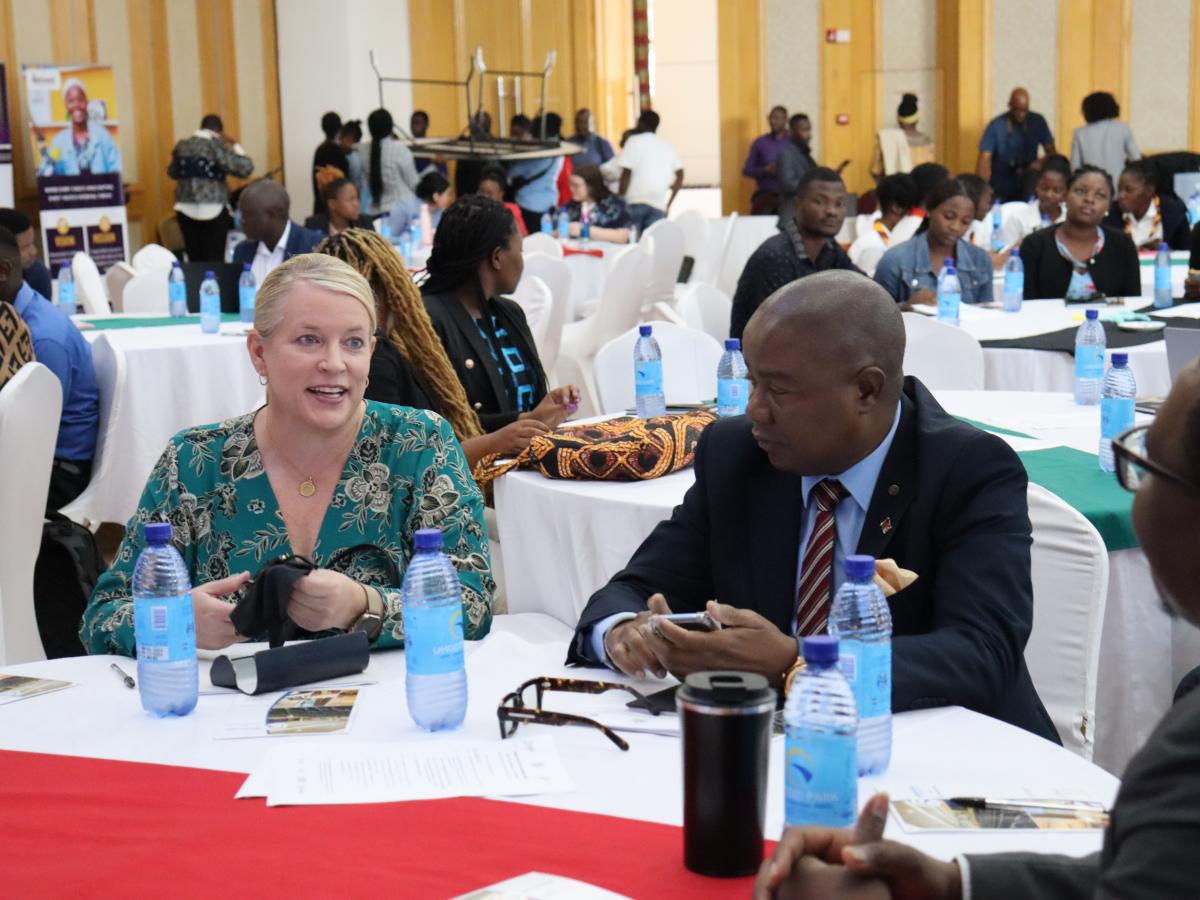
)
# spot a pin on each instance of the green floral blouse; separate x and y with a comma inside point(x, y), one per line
point(406, 471)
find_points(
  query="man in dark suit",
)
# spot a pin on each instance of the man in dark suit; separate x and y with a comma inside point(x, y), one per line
point(271, 236)
point(1150, 846)
point(940, 497)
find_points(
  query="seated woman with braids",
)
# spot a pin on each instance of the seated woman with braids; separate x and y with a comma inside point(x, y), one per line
point(476, 259)
point(409, 367)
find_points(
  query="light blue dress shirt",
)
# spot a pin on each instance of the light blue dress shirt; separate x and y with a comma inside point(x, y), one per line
point(540, 194)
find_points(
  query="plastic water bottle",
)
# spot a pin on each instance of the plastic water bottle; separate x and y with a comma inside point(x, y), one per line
point(177, 292)
point(648, 375)
point(66, 290)
point(585, 232)
point(1014, 281)
point(247, 288)
point(547, 223)
point(949, 294)
point(564, 225)
point(414, 230)
point(733, 382)
point(386, 229)
point(436, 680)
point(164, 627)
point(820, 755)
point(1193, 207)
point(633, 234)
point(210, 304)
point(1117, 400)
point(1090, 342)
point(862, 622)
point(405, 246)
point(997, 228)
point(1162, 277)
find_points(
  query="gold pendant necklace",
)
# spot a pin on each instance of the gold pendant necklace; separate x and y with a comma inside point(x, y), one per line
point(307, 488)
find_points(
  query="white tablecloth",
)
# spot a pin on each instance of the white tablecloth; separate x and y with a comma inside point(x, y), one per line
point(562, 540)
point(175, 377)
point(952, 748)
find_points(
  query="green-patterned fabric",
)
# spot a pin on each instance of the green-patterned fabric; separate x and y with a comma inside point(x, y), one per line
point(1075, 477)
point(406, 471)
point(110, 323)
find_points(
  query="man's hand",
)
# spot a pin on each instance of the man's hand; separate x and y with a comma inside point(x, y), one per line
point(746, 643)
point(626, 643)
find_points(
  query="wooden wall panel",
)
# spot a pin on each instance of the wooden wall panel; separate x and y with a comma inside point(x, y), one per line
point(740, 68)
point(964, 54)
point(1094, 54)
point(850, 86)
point(1194, 81)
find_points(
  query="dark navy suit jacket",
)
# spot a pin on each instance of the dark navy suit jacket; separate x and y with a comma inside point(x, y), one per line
point(300, 240)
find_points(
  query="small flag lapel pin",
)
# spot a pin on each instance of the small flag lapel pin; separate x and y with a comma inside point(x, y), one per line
point(886, 526)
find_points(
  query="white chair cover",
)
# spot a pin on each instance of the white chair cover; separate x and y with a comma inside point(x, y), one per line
point(115, 279)
point(942, 356)
point(696, 244)
point(557, 276)
point(109, 364)
point(147, 292)
point(541, 243)
point(89, 286)
point(152, 256)
point(690, 360)
point(668, 257)
point(1070, 590)
point(534, 298)
point(707, 309)
point(30, 406)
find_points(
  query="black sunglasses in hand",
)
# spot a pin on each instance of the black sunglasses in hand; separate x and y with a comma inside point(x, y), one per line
point(513, 711)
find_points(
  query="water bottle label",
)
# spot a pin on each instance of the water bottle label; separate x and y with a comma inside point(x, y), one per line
point(867, 665)
point(1089, 361)
point(1014, 283)
point(164, 628)
point(648, 377)
point(433, 638)
point(821, 778)
point(1162, 278)
point(732, 395)
point(1116, 415)
point(947, 307)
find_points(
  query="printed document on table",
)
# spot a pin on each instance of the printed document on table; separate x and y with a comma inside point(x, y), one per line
point(541, 886)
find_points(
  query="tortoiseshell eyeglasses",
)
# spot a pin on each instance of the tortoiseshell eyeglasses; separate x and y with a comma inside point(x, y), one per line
point(513, 710)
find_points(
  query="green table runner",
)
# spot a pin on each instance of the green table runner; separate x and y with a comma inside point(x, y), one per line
point(107, 323)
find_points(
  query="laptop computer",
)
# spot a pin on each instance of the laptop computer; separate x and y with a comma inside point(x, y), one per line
point(1183, 346)
point(227, 280)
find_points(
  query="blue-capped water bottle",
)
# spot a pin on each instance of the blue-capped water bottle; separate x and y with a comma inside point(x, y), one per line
point(177, 292)
point(247, 288)
point(210, 304)
point(414, 231)
point(164, 626)
point(648, 375)
point(405, 245)
point(66, 290)
point(564, 225)
point(820, 748)
point(1090, 342)
point(1014, 281)
point(1118, 399)
point(547, 223)
point(949, 294)
point(1193, 206)
point(1162, 277)
point(436, 680)
point(585, 231)
point(997, 228)
point(862, 622)
point(733, 381)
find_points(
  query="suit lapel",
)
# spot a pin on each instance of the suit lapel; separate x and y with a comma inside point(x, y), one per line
point(469, 330)
point(896, 487)
point(775, 552)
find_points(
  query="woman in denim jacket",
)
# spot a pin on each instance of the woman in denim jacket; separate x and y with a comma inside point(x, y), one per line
point(908, 271)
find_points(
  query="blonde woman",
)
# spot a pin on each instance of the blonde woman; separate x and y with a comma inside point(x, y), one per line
point(317, 471)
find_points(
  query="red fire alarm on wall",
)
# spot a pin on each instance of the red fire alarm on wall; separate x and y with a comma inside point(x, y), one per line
point(843, 118)
point(837, 35)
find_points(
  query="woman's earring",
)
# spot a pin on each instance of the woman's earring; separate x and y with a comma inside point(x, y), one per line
point(262, 379)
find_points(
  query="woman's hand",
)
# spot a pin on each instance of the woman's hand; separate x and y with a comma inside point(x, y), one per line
point(325, 599)
point(555, 407)
point(575, 229)
point(214, 629)
point(515, 436)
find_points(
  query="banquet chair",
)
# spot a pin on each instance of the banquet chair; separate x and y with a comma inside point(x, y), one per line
point(109, 364)
point(535, 300)
point(725, 241)
point(706, 308)
point(1070, 589)
point(618, 311)
point(557, 276)
point(115, 279)
point(30, 406)
point(666, 259)
point(541, 243)
point(147, 293)
point(942, 356)
point(153, 256)
point(689, 358)
point(696, 244)
point(89, 286)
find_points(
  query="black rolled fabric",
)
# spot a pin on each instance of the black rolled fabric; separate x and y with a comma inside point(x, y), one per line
point(264, 607)
point(285, 667)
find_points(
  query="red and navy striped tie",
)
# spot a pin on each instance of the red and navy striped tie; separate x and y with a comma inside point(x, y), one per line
point(812, 612)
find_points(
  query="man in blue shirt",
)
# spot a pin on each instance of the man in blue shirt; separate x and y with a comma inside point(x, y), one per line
point(1009, 147)
point(534, 184)
point(596, 150)
point(59, 346)
point(37, 276)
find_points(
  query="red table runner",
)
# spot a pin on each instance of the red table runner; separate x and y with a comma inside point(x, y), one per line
point(572, 251)
point(74, 824)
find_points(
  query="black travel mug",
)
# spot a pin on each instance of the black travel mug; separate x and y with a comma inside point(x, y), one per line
point(725, 719)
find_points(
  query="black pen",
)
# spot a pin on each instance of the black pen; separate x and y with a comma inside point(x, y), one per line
point(124, 676)
point(1031, 806)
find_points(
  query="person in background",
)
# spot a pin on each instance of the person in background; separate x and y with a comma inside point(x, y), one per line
point(1148, 216)
point(926, 177)
point(467, 171)
point(804, 246)
point(1048, 206)
point(605, 212)
point(533, 182)
point(200, 163)
point(36, 275)
point(1010, 144)
point(1080, 258)
point(596, 149)
point(476, 261)
point(1149, 848)
point(84, 146)
point(434, 191)
point(342, 209)
point(16, 344)
point(418, 126)
point(980, 232)
point(520, 127)
point(650, 169)
point(58, 345)
point(1104, 141)
point(348, 139)
point(761, 163)
point(328, 153)
point(897, 195)
point(390, 172)
point(494, 185)
point(899, 149)
point(553, 125)
point(271, 236)
point(316, 470)
point(795, 160)
point(909, 271)
point(1191, 285)
point(409, 366)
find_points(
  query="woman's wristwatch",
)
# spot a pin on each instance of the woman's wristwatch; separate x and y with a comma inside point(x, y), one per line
point(370, 621)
